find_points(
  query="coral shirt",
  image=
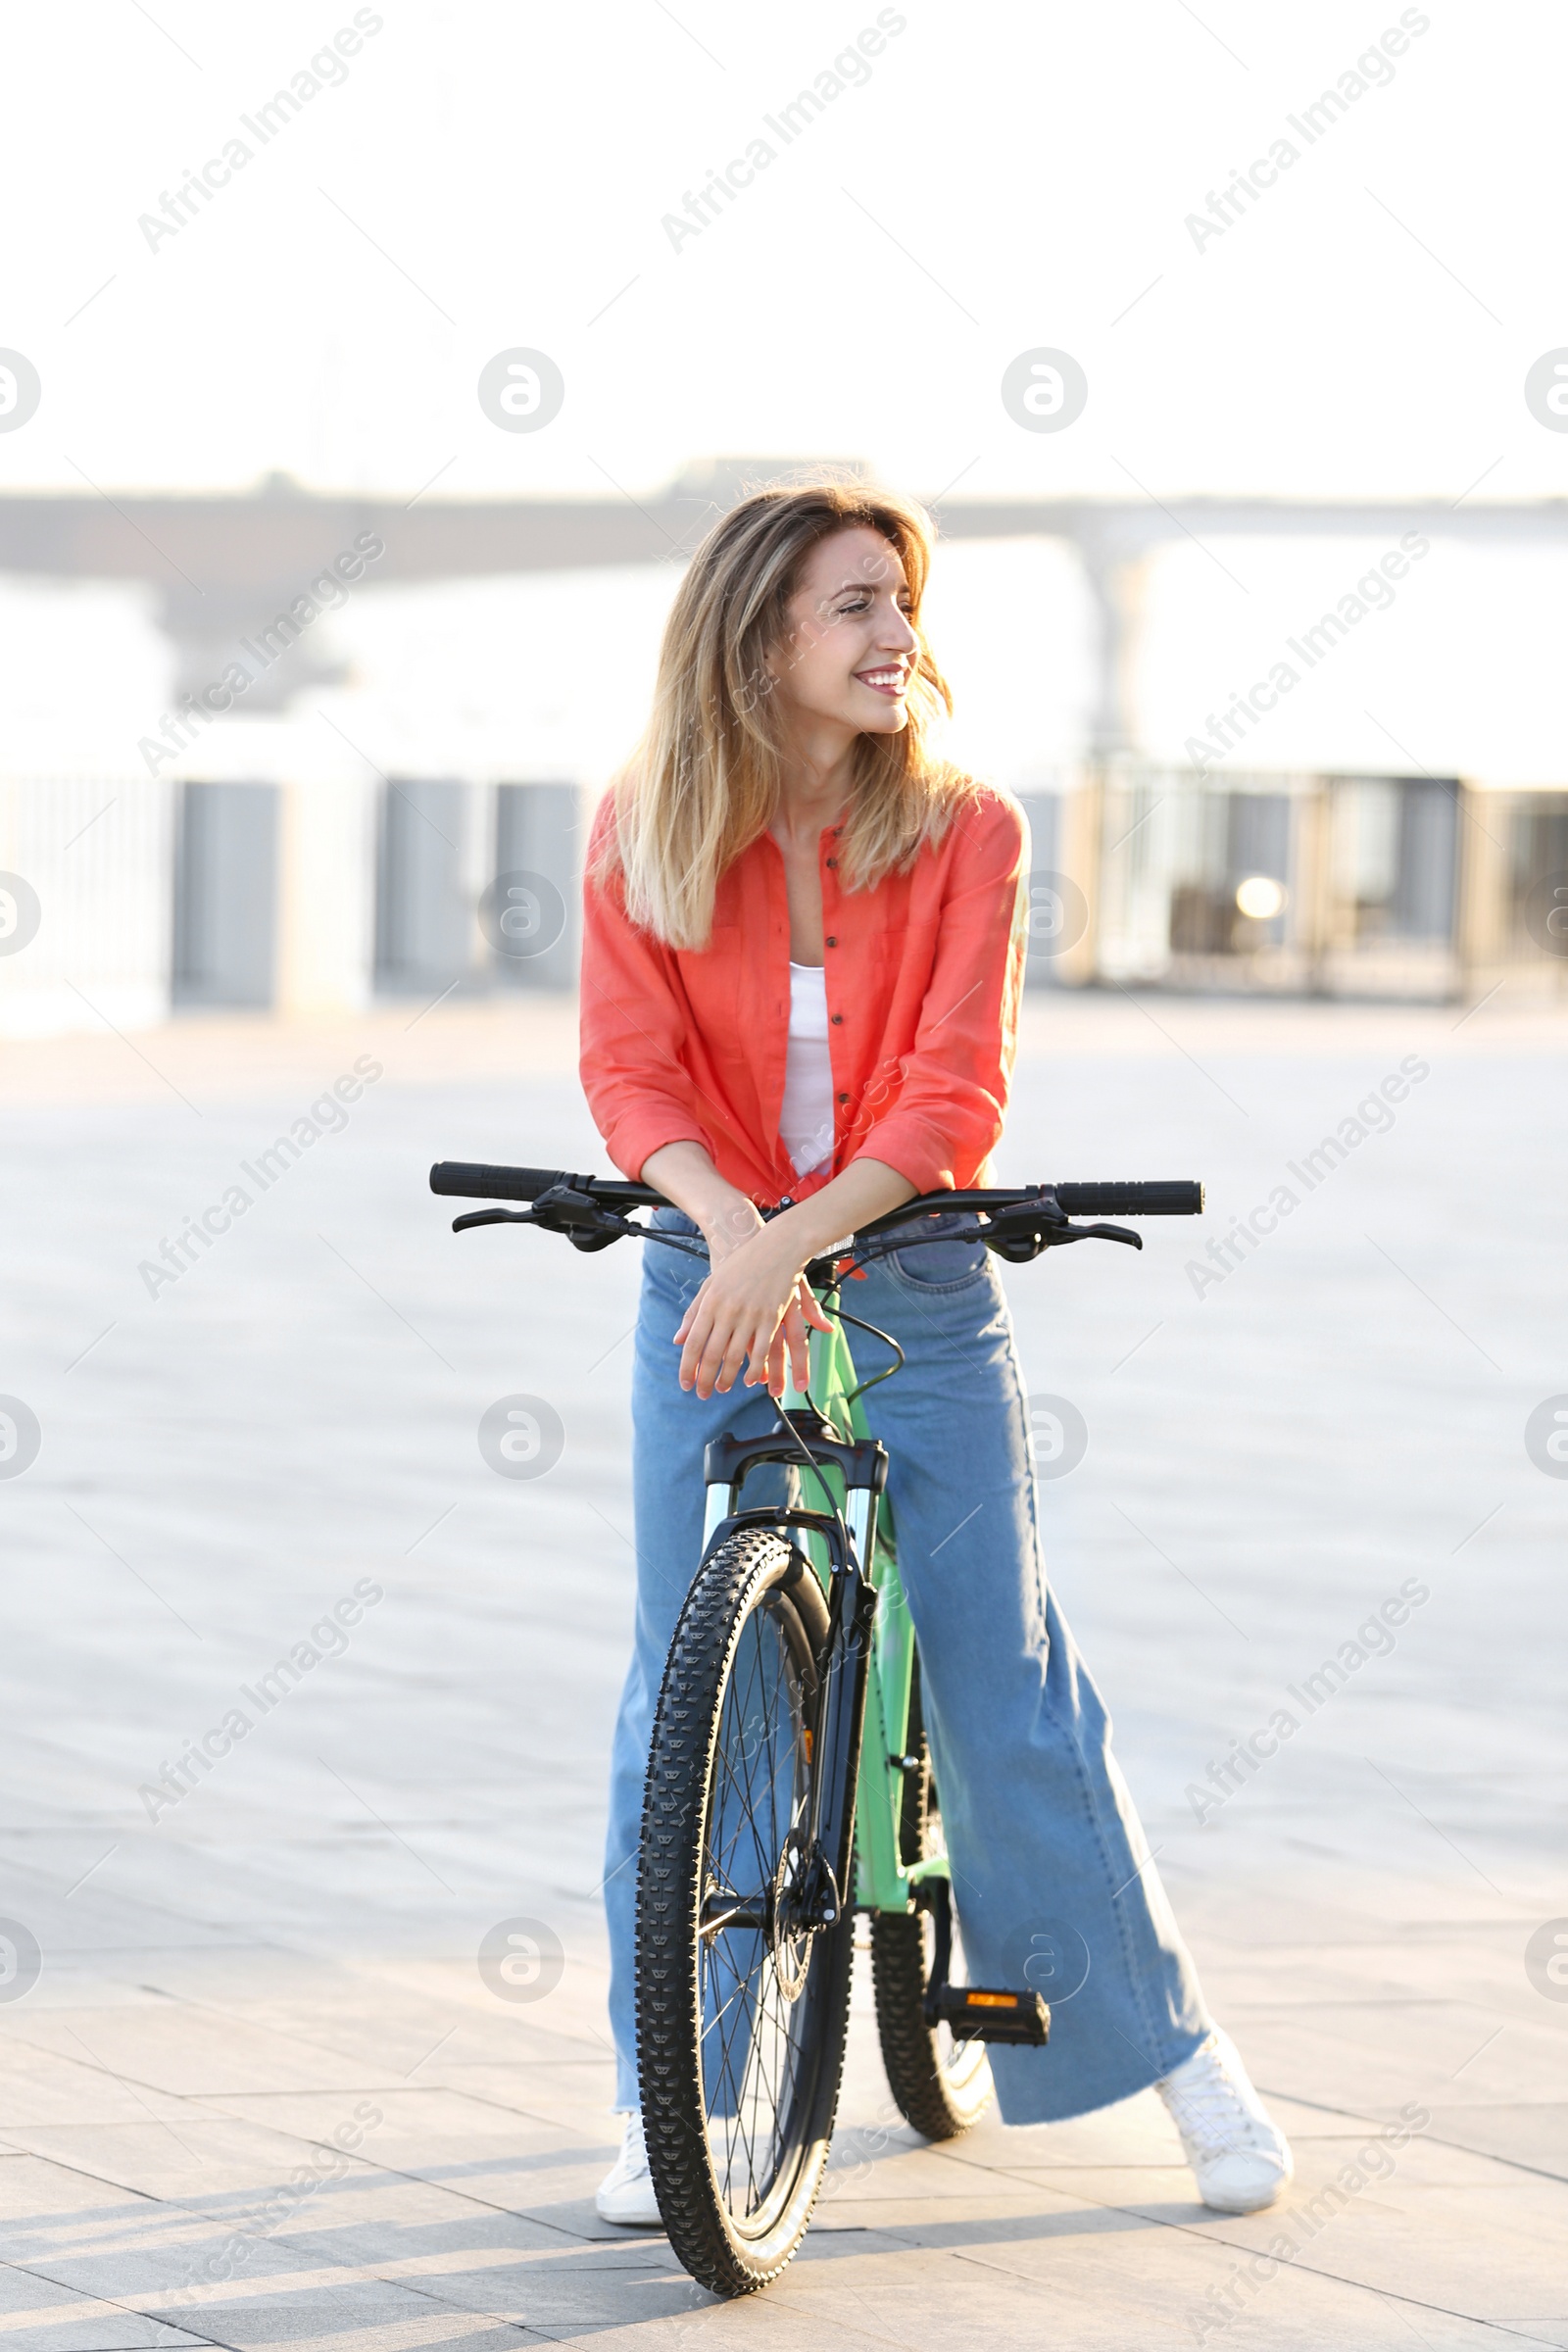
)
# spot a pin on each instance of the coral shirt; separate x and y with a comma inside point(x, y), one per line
point(923, 974)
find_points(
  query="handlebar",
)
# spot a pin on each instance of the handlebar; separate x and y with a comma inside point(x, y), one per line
point(476, 1180)
point(470, 1180)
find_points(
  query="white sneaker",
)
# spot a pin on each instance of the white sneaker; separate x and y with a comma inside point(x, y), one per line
point(1242, 2160)
point(627, 2192)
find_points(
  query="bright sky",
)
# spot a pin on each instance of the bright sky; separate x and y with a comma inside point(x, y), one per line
point(991, 181)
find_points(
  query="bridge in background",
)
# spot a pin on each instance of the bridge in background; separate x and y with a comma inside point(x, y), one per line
point(223, 564)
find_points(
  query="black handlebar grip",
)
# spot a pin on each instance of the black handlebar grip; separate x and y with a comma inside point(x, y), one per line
point(1175, 1199)
point(472, 1181)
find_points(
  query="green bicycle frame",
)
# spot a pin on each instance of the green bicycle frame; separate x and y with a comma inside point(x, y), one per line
point(883, 1882)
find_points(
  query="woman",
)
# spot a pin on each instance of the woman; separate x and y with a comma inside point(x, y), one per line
point(801, 976)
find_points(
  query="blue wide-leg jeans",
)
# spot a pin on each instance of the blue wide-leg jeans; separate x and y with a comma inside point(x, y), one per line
point(1051, 1873)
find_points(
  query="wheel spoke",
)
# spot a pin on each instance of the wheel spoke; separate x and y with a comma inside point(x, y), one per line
point(752, 2050)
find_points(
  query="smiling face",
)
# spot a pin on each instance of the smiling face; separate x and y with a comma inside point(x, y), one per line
point(848, 657)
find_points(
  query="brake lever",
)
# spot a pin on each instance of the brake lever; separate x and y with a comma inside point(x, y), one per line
point(1026, 1232)
point(586, 1223)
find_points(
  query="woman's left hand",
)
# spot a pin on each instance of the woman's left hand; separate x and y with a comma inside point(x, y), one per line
point(752, 1308)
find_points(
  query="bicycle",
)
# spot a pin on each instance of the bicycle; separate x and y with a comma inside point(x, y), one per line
point(789, 1780)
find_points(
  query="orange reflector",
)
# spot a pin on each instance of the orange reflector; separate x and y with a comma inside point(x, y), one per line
point(991, 2000)
point(807, 1735)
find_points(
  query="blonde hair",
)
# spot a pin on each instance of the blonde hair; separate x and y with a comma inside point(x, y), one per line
point(705, 781)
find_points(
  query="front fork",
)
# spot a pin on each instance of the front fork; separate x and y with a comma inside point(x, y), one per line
point(863, 1722)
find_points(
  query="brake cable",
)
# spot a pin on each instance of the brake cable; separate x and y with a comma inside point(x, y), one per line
point(876, 1333)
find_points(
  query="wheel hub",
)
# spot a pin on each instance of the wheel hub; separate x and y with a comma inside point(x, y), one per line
point(802, 1900)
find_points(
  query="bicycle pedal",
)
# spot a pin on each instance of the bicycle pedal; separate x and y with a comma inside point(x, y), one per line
point(977, 2015)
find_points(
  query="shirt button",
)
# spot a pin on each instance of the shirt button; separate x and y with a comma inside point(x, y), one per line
point(830, 942)
point(837, 1018)
point(832, 862)
point(844, 1097)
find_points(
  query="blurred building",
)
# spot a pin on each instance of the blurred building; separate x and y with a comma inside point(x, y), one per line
point(297, 753)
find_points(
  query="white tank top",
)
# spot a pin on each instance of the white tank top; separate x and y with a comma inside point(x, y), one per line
point(805, 1122)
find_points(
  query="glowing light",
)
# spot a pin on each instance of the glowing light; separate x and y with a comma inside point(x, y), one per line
point(1261, 897)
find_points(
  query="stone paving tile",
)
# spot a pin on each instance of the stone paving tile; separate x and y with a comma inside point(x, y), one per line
point(611, 2287)
point(201, 2157)
point(504, 2159)
point(77, 2323)
point(1133, 2132)
point(1106, 2283)
point(1478, 2250)
point(514, 2086)
point(46, 2209)
point(446, 2229)
point(1302, 2119)
point(184, 2049)
point(562, 2093)
point(553, 2184)
point(415, 2230)
point(370, 2333)
point(427, 2123)
point(1383, 2054)
point(38, 2312)
point(71, 2084)
point(381, 2318)
point(390, 2039)
point(1532, 2134)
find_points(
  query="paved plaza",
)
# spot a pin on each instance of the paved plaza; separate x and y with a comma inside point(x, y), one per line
point(256, 2088)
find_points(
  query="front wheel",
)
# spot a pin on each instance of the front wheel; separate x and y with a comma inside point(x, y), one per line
point(742, 2002)
point(940, 2084)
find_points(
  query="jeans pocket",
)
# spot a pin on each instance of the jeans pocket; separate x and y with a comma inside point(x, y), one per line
point(949, 1255)
point(676, 1273)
